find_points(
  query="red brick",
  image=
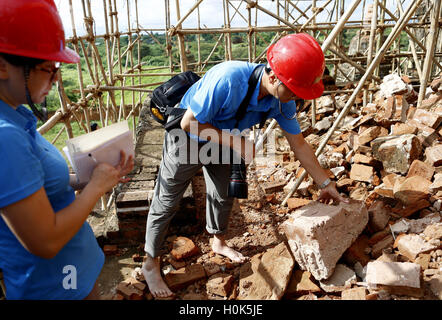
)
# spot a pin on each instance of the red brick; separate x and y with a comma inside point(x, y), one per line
point(412, 189)
point(183, 247)
point(220, 284)
point(295, 203)
point(110, 249)
point(378, 216)
point(403, 128)
point(129, 291)
point(434, 155)
point(358, 293)
point(179, 279)
point(301, 283)
point(408, 210)
point(271, 187)
point(427, 118)
point(362, 173)
point(369, 134)
point(357, 252)
point(420, 168)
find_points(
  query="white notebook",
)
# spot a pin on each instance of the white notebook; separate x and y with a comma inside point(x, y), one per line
point(103, 145)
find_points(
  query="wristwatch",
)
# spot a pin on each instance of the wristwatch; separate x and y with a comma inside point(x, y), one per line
point(324, 184)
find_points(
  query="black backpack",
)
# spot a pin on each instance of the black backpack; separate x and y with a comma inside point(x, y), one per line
point(166, 97)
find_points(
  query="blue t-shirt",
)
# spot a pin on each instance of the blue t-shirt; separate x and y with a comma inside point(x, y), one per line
point(27, 163)
point(216, 97)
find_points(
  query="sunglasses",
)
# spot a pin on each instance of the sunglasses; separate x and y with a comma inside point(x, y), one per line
point(52, 72)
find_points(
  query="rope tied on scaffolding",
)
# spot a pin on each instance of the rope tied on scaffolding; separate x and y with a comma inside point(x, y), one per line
point(89, 22)
point(251, 4)
point(172, 31)
point(74, 40)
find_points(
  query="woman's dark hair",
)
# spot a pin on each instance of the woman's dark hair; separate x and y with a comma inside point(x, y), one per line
point(21, 61)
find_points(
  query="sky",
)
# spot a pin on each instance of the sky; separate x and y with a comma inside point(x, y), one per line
point(151, 13)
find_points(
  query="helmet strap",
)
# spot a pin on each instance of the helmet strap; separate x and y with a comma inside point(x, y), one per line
point(280, 105)
point(43, 114)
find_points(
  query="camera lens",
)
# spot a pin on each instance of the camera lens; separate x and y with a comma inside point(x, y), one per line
point(238, 183)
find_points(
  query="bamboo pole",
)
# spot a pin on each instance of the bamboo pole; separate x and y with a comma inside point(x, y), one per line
point(181, 46)
point(254, 4)
point(374, 19)
point(178, 25)
point(431, 44)
point(411, 35)
point(339, 26)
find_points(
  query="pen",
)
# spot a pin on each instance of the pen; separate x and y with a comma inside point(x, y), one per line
point(95, 160)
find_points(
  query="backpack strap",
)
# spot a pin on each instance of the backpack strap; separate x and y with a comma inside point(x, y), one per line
point(253, 80)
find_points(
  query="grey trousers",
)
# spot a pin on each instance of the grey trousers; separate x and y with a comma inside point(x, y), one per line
point(174, 176)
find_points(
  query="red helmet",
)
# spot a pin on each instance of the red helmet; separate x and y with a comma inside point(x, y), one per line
point(298, 61)
point(33, 28)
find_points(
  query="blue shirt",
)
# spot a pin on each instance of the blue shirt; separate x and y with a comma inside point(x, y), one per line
point(27, 163)
point(216, 97)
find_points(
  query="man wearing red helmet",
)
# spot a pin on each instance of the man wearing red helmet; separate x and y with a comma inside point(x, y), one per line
point(47, 249)
point(295, 67)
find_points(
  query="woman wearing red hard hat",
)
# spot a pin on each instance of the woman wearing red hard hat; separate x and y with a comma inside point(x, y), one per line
point(295, 67)
point(47, 249)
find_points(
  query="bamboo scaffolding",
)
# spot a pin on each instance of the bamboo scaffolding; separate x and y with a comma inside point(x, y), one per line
point(431, 44)
point(391, 37)
point(120, 70)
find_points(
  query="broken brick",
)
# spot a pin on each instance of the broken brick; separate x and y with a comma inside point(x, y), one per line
point(301, 283)
point(179, 279)
point(405, 274)
point(295, 203)
point(271, 187)
point(420, 168)
point(220, 284)
point(369, 134)
point(411, 245)
point(358, 293)
point(362, 173)
point(357, 251)
point(434, 155)
point(412, 189)
point(110, 249)
point(378, 216)
point(396, 152)
point(427, 118)
point(183, 248)
point(330, 228)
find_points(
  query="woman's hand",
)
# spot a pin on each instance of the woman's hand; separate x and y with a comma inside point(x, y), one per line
point(105, 177)
point(330, 194)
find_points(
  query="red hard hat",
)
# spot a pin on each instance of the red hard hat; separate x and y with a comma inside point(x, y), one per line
point(298, 61)
point(33, 28)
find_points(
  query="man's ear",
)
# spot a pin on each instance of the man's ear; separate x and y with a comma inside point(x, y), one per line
point(4, 70)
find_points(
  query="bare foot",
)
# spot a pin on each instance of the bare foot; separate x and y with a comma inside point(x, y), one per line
point(220, 246)
point(152, 274)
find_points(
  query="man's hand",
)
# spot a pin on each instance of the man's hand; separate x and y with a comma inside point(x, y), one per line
point(330, 194)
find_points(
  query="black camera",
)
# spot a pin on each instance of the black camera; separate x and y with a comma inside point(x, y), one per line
point(238, 180)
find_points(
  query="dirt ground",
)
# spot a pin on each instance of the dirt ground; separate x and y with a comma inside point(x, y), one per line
point(253, 228)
